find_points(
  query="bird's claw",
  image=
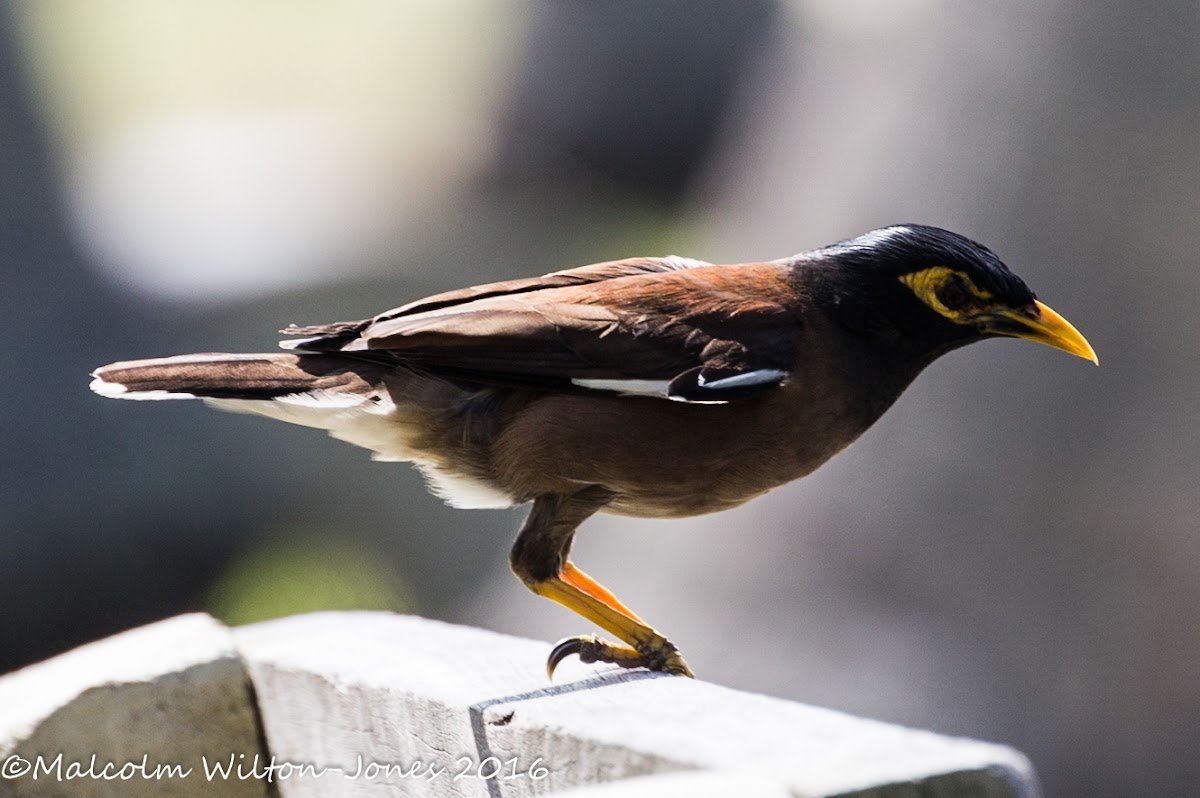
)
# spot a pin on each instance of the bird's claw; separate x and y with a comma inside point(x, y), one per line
point(658, 655)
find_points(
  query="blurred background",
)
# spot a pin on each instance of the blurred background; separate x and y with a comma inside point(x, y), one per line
point(1011, 553)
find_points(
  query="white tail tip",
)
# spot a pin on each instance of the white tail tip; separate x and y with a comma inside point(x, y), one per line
point(115, 390)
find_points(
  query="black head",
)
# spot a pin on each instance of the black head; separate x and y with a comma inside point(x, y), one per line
point(892, 252)
point(922, 291)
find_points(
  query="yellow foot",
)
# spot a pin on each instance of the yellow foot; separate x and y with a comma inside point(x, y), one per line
point(658, 654)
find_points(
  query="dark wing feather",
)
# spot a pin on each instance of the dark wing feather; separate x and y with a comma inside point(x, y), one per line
point(629, 320)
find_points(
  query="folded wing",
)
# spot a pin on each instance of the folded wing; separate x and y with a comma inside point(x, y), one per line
point(670, 327)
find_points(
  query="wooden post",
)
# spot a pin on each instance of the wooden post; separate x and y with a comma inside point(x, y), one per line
point(375, 704)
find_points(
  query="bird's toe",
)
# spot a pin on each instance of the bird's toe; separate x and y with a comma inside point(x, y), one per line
point(659, 655)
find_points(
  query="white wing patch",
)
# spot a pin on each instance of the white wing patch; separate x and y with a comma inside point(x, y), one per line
point(742, 380)
point(626, 387)
point(661, 388)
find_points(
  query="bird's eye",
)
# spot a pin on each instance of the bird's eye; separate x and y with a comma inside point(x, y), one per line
point(954, 295)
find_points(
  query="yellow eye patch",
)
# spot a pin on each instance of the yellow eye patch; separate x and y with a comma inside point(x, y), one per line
point(951, 293)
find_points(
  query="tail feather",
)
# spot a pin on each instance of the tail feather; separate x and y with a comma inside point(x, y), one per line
point(229, 376)
point(349, 397)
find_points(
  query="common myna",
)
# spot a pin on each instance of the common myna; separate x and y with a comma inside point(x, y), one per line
point(651, 387)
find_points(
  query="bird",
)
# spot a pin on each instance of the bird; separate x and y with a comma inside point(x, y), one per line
point(654, 387)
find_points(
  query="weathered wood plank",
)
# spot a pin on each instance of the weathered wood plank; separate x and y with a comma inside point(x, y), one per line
point(362, 692)
point(374, 704)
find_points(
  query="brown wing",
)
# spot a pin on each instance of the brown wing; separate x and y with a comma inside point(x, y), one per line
point(582, 275)
point(698, 333)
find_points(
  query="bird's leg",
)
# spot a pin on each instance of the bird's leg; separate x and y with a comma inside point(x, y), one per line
point(540, 558)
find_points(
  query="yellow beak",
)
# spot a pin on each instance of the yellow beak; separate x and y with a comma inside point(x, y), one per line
point(1040, 323)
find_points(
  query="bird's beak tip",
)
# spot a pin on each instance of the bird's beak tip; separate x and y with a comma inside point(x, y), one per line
point(1043, 324)
point(1051, 328)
